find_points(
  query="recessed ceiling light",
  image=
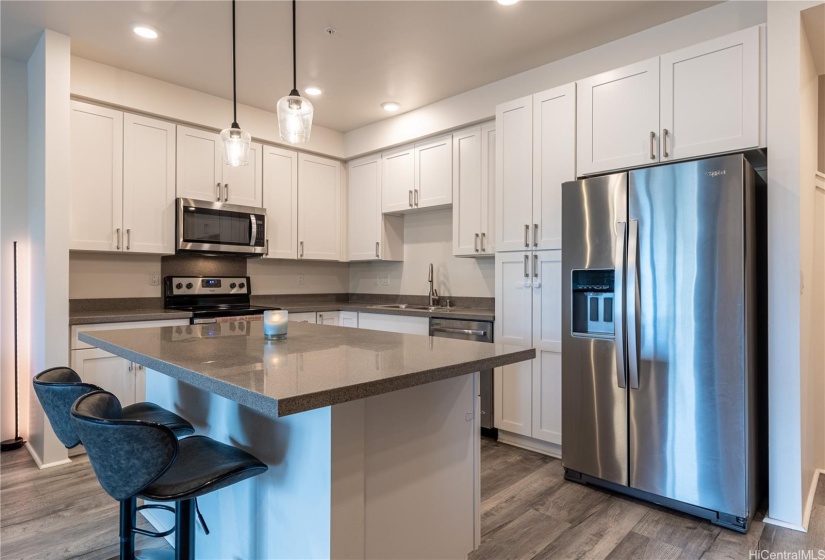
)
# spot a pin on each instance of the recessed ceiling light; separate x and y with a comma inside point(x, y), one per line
point(145, 32)
point(312, 90)
point(507, 2)
point(391, 106)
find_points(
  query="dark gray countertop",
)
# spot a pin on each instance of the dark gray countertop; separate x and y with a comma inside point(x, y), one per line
point(124, 316)
point(315, 367)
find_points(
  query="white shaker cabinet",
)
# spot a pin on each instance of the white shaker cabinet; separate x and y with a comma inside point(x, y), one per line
point(473, 191)
point(372, 235)
point(710, 97)
point(348, 319)
point(280, 197)
point(319, 208)
point(434, 173)
point(618, 118)
point(514, 174)
point(328, 318)
point(96, 208)
point(203, 175)
point(113, 373)
point(398, 181)
point(308, 317)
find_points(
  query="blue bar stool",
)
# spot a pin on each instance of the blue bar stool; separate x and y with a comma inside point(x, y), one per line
point(138, 459)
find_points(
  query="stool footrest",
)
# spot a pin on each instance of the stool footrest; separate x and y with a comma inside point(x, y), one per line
point(154, 534)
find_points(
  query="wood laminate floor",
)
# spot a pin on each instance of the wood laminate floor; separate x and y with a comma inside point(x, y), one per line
point(528, 511)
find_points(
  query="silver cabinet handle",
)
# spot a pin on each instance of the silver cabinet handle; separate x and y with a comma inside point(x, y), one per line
point(218, 196)
point(376, 250)
point(664, 143)
point(633, 304)
point(652, 141)
point(416, 198)
point(267, 247)
point(535, 235)
point(459, 331)
point(526, 266)
point(128, 239)
point(131, 366)
point(535, 265)
point(526, 235)
point(411, 202)
point(618, 308)
point(118, 239)
point(226, 192)
point(475, 244)
point(301, 255)
point(483, 235)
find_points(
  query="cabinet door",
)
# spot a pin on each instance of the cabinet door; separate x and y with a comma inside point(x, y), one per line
point(394, 323)
point(547, 299)
point(96, 207)
point(554, 160)
point(148, 185)
point(348, 319)
point(618, 118)
point(710, 97)
point(467, 192)
point(244, 184)
point(514, 174)
point(488, 188)
point(199, 165)
point(319, 208)
point(327, 318)
point(364, 209)
point(110, 372)
point(302, 318)
point(434, 173)
point(513, 383)
point(398, 180)
point(280, 192)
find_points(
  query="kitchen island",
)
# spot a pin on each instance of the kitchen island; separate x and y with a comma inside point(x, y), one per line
point(371, 437)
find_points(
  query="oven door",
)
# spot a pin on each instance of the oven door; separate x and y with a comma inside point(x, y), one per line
point(214, 227)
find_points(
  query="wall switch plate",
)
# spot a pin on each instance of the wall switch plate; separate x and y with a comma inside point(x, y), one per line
point(155, 279)
point(301, 279)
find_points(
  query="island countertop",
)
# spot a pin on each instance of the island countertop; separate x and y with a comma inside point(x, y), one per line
point(315, 367)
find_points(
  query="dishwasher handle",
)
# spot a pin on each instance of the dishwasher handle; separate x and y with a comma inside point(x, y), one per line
point(470, 332)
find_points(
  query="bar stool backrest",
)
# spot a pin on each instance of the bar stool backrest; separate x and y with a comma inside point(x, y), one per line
point(126, 455)
point(57, 389)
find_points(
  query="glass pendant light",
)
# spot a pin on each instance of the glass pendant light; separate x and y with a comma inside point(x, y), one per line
point(235, 141)
point(294, 111)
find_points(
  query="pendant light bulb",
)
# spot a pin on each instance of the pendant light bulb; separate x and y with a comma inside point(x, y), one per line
point(236, 142)
point(294, 112)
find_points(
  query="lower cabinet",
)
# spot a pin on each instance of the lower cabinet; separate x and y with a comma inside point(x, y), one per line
point(303, 317)
point(394, 323)
point(126, 380)
point(348, 319)
point(528, 313)
point(328, 318)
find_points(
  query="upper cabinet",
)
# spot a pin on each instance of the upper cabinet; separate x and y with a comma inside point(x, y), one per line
point(202, 174)
point(701, 100)
point(418, 176)
point(473, 192)
point(514, 174)
point(319, 208)
point(372, 235)
point(122, 182)
point(280, 192)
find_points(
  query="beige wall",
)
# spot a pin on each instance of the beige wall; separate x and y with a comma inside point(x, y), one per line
point(112, 275)
point(270, 276)
point(427, 239)
point(822, 123)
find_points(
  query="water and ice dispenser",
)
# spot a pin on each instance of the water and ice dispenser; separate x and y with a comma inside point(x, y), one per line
point(593, 298)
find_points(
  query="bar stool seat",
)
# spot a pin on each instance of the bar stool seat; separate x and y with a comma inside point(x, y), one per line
point(150, 412)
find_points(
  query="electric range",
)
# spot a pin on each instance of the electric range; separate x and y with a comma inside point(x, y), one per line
point(212, 299)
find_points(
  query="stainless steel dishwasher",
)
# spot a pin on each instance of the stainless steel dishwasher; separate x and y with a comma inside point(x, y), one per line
point(477, 331)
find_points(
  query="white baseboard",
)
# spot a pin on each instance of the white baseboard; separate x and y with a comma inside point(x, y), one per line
point(531, 444)
point(39, 462)
point(778, 523)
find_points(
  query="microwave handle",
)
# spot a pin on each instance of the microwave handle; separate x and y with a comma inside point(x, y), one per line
point(254, 233)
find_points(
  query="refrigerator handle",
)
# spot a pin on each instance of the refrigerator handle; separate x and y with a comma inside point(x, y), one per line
point(618, 296)
point(633, 303)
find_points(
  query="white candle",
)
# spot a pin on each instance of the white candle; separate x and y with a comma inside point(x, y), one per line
point(275, 322)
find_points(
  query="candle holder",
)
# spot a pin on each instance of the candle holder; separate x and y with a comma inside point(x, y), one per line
point(275, 324)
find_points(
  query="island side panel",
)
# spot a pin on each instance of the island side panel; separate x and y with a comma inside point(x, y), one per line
point(283, 513)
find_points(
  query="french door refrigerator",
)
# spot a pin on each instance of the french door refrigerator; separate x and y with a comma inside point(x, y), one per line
point(663, 334)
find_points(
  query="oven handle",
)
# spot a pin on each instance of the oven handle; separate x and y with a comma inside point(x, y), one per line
point(254, 235)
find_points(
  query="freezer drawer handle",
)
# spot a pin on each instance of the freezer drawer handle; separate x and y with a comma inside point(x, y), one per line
point(470, 332)
point(633, 304)
point(618, 314)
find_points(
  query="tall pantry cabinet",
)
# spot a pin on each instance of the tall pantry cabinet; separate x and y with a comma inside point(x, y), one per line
point(535, 154)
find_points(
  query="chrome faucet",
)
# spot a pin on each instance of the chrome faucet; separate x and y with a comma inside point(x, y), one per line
point(433, 292)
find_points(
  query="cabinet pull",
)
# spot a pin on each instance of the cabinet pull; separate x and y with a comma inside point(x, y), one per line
point(652, 141)
point(526, 266)
point(302, 249)
point(411, 202)
point(535, 235)
point(526, 235)
point(475, 244)
point(416, 198)
point(267, 247)
point(128, 239)
point(131, 366)
point(535, 265)
point(218, 195)
point(376, 250)
point(118, 239)
point(483, 249)
point(226, 192)
point(664, 143)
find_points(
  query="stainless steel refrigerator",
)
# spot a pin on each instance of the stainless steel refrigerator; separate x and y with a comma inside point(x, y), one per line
point(663, 336)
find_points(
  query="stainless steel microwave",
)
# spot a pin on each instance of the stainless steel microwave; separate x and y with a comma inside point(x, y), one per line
point(214, 228)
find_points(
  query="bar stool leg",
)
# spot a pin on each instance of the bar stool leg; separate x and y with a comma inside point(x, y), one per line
point(127, 525)
point(185, 530)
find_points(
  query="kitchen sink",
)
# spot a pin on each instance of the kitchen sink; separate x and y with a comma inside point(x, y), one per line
point(409, 306)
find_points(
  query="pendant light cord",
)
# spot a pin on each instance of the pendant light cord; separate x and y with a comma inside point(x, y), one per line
point(234, 77)
point(294, 51)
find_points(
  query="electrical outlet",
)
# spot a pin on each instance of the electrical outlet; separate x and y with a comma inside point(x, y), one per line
point(385, 281)
point(377, 280)
point(301, 279)
point(155, 279)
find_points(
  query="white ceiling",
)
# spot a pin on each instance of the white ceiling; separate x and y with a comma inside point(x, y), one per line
point(412, 52)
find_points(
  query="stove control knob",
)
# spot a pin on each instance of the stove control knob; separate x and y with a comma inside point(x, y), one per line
point(189, 285)
point(178, 286)
point(242, 285)
point(233, 285)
